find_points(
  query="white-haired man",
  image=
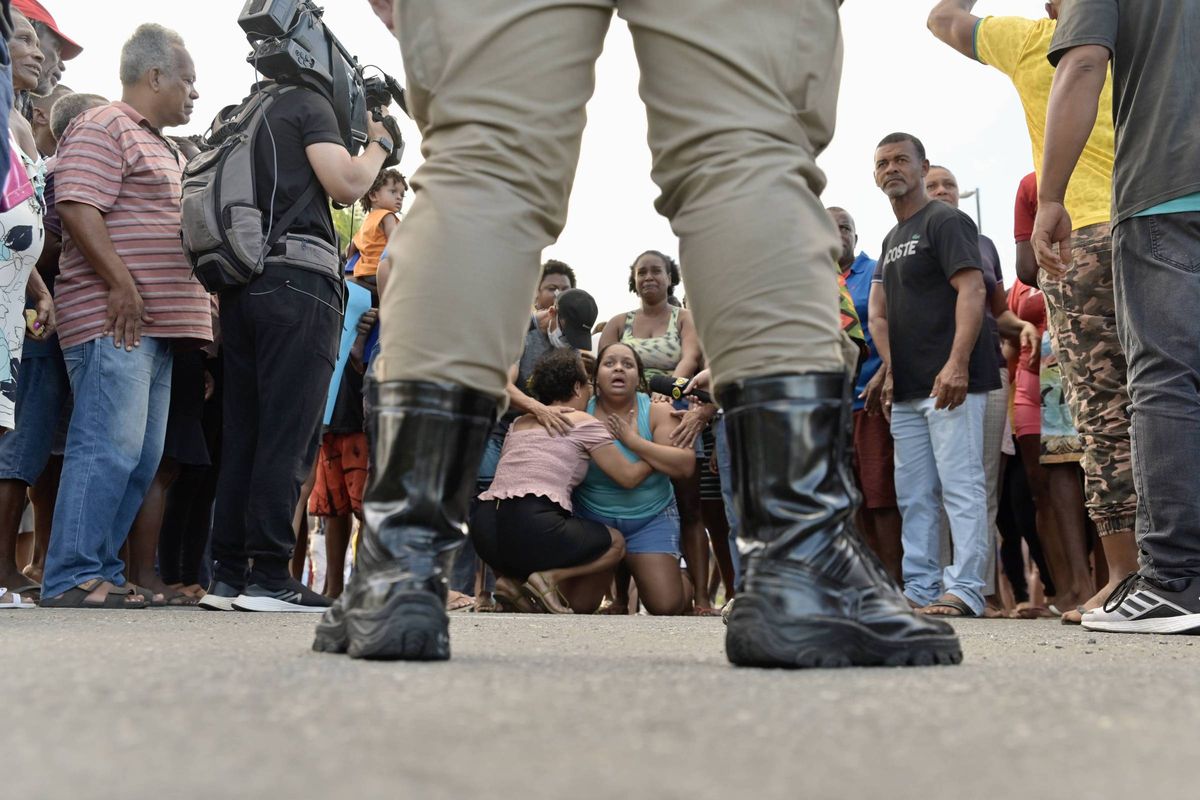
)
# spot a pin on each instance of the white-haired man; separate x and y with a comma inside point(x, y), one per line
point(127, 300)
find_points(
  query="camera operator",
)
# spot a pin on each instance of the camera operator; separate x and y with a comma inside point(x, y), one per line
point(280, 338)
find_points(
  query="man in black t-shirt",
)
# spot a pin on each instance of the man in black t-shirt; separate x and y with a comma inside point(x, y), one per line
point(926, 312)
point(280, 338)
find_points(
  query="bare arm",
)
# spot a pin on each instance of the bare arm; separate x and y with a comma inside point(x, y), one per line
point(674, 462)
point(36, 290)
point(126, 311)
point(877, 395)
point(612, 332)
point(878, 322)
point(1027, 268)
point(627, 474)
point(345, 178)
point(1075, 95)
point(389, 224)
point(689, 362)
point(953, 23)
point(47, 264)
point(556, 422)
point(951, 384)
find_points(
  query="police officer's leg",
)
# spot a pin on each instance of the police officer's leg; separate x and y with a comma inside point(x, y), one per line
point(498, 89)
point(741, 99)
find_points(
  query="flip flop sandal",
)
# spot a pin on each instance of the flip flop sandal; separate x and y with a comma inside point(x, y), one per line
point(954, 604)
point(705, 611)
point(464, 603)
point(77, 597)
point(15, 599)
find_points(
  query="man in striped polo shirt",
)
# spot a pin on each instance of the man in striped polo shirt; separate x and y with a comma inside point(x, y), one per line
point(126, 299)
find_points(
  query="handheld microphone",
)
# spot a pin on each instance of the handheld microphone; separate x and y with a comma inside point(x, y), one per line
point(673, 388)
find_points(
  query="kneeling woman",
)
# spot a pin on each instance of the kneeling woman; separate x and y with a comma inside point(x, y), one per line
point(646, 516)
point(523, 526)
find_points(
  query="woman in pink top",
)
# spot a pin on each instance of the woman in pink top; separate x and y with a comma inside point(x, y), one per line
point(524, 527)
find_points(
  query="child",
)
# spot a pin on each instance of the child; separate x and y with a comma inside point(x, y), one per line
point(381, 202)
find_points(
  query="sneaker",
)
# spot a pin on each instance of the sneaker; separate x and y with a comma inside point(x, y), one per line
point(220, 597)
point(1139, 605)
point(290, 595)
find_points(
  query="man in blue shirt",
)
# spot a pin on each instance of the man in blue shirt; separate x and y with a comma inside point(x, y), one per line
point(874, 467)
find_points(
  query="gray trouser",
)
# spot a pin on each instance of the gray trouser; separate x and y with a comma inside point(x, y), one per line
point(1156, 269)
point(740, 99)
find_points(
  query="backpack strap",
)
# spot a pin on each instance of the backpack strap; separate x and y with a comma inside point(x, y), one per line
point(285, 222)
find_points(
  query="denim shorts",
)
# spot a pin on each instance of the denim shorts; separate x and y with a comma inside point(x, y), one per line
point(644, 535)
point(42, 390)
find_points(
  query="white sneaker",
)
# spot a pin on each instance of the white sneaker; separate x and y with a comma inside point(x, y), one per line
point(1138, 605)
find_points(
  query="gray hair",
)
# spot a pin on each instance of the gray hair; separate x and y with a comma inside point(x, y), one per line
point(151, 47)
point(68, 108)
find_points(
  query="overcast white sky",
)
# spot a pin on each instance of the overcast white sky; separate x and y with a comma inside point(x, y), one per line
point(896, 77)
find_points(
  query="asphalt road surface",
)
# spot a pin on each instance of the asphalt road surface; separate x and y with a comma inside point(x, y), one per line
point(189, 704)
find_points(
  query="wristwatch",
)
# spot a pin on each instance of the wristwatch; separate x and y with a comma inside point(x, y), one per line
point(385, 143)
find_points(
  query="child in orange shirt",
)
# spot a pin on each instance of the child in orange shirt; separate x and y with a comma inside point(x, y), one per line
point(381, 203)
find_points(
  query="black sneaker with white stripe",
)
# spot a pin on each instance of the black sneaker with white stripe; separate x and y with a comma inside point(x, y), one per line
point(1139, 605)
point(290, 595)
point(220, 596)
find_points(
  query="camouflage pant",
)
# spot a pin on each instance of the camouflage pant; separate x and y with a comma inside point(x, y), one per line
point(1081, 318)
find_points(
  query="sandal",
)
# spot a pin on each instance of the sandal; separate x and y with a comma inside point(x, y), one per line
point(19, 597)
point(463, 602)
point(510, 599)
point(705, 611)
point(149, 595)
point(547, 596)
point(952, 603)
point(118, 597)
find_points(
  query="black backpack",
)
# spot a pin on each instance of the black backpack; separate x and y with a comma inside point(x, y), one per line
point(223, 228)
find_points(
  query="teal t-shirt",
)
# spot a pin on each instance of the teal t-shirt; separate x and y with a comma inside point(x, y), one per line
point(602, 496)
point(1189, 202)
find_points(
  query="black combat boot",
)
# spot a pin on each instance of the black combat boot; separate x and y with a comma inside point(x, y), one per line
point(428, 442)
point(814, 595)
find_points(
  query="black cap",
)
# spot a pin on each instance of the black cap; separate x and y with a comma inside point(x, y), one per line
point(576, 315)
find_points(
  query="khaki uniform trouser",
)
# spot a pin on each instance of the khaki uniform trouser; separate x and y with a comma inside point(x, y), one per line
point(740, 99)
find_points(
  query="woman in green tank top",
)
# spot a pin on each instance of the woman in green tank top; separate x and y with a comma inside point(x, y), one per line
point(664, 337)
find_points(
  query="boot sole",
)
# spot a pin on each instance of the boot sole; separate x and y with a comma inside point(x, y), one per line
point(757, 637)
point(330, 637)
point(411, 626)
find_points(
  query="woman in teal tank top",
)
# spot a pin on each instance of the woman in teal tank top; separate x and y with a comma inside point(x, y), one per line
point(646, 515)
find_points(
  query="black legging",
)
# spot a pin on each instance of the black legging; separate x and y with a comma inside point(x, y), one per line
point(1017, 519)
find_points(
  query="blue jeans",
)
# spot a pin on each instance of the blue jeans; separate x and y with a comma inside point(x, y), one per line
point(1156, 277)
point(113, 448)
point(725, 468)
point(939, 460)
point(42, 391)
point(653, 535)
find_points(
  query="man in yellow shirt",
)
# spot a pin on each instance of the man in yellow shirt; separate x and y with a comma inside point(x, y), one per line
point(1081, 309)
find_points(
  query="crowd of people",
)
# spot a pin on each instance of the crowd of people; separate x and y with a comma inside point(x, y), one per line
point(165, 447)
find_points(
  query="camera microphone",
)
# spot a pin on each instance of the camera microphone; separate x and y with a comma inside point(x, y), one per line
point(673, 388)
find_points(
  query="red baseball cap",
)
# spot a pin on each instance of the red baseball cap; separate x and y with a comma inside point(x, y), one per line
point(36, 12)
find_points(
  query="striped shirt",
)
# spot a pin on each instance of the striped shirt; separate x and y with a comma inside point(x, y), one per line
point(112, 159)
